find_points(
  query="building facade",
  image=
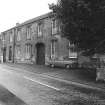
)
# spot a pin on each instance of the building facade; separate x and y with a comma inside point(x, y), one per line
point(36, 41)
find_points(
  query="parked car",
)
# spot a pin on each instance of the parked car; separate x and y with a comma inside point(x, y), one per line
point(67, 63)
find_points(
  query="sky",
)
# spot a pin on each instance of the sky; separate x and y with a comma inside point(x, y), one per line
point(19, 11)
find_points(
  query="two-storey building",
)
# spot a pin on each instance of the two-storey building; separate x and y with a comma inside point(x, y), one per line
point(36, 41)
point(7, 45)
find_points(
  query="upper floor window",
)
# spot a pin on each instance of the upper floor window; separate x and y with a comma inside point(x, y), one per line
point(59, 27)
point(18, 35)
point(10, 36)
point(28, 34)
point(54, 26)
point(39, 30)
point(3, 36)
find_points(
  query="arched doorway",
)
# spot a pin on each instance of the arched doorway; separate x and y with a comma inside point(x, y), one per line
point(40, 54)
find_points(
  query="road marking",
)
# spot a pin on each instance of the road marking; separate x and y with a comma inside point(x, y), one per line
point(62, 80)
point(73, 83)
point(52, 87)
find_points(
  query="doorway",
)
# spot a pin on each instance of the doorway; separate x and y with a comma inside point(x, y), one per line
point(4, 55)
point(40, 54)
point(10, 53)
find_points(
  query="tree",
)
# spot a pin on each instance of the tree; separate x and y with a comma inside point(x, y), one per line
point(83, 23)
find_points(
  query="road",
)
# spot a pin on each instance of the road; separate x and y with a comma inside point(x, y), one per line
point(36, 89)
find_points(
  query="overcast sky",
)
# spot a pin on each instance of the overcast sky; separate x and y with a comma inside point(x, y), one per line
point(18, 11)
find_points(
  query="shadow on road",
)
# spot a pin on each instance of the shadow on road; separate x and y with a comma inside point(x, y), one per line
point(87, 74)
point(7, 98)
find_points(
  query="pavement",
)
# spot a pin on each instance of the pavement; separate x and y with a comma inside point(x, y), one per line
point(7, 98)
point(82, 76)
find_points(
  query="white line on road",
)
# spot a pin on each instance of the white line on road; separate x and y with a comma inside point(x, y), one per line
point(52, 87)
point(74, 83)
point(62, 80)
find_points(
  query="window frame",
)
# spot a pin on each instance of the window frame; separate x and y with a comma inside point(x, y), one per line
point(53, 48)
point(54, 27)
point(18, 51)
point(72, 50)
point(28, 51)
point(10, 36)
point(4, 37)
point(28, 32)
point(39, 30)
point(19, 34)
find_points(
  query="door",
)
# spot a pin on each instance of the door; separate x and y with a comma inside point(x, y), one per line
point(10, 53)
point(4, 55)
point(40, 57)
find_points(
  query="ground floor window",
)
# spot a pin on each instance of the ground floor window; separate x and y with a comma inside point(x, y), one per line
point(52, 49)
point(72, 50)
point(28, 51)
point(18, 52)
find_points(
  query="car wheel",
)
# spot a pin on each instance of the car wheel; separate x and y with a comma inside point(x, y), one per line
point(52, 65)
point(67, 66)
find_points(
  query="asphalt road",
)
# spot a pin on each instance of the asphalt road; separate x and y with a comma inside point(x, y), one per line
point(35, 89)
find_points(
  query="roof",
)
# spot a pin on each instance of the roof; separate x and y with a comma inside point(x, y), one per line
point(36, 19)
point(32, 20)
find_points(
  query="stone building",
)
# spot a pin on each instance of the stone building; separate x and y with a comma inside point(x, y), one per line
point(36, 41)
point(8, 45)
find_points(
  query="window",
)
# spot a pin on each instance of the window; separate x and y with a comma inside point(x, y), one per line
point(54, 26)
point(28, 34)
point(18, 52)
point(3, 37)
point(39, 30)
point(59, 28)
point(19, 35)
point(52, 49)
point(72, 50)
point(10, 36)
point(28, 51)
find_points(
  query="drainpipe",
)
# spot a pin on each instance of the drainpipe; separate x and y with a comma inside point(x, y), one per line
point(14, 45)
